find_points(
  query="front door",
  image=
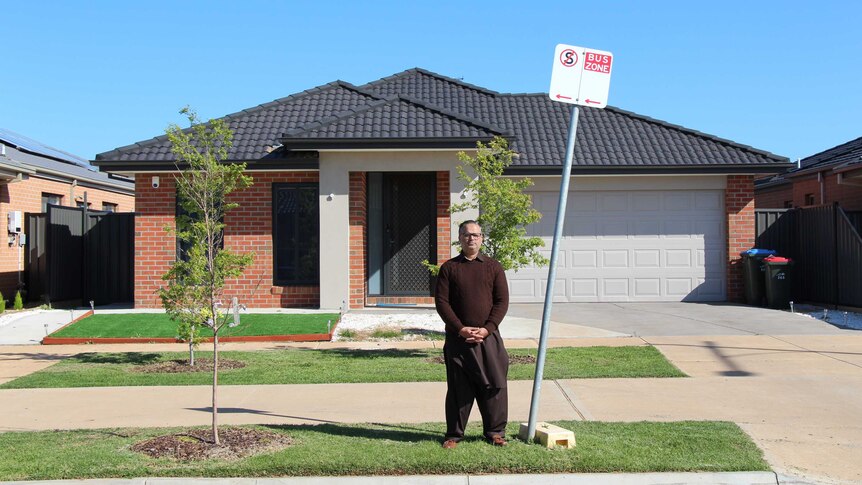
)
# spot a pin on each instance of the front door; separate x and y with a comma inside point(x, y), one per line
point(406, 232)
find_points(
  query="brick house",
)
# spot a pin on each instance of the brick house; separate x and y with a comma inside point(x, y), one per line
point(352, 186)
point(831, 176)
point(33, 175)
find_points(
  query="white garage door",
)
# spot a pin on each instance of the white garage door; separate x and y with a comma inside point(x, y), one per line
point(643, 245)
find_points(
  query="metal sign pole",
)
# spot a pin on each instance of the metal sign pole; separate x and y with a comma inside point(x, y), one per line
point(552, 273)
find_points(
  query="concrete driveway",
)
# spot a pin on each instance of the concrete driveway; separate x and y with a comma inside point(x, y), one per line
point(674, 319)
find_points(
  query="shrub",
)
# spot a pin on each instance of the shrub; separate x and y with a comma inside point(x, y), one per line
point(19, 303)
point(2, 303)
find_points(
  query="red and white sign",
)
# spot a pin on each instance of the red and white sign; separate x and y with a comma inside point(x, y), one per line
point(581, 76)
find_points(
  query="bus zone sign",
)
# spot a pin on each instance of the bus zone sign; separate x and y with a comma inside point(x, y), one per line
point(581, 76)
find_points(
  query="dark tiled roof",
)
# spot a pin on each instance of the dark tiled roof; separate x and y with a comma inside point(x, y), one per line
point(418, 104)
point(393, 118)
point(447, 93)
point(260, 127)
point(843, 153)
point(838, 157)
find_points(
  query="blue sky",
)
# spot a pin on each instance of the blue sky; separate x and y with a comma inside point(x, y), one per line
point(90, 76)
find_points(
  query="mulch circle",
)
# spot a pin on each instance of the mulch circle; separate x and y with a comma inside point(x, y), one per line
point(197, 444)
point(522, 359)
point(182, 365)
point(513, 359)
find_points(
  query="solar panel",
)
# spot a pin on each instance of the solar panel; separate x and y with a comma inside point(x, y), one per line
point(34, 146)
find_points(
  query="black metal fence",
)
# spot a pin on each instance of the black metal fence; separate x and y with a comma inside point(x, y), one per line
point(75, 254)
point(825, 246)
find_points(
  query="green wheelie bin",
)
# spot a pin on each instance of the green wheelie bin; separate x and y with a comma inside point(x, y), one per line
point(753, 271)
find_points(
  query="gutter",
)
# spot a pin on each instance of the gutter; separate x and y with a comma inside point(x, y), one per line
point(130, 190)
point(656, 170)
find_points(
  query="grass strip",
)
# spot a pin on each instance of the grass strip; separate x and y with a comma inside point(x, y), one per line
point(298, 366)
point(159, 325)
point(398, 449)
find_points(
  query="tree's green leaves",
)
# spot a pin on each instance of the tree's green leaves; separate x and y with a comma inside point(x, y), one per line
point(504, 209)
point(194, 296)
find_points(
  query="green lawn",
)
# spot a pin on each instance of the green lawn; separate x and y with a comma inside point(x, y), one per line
point(405, 449)
point(158, 325)
point(295, 366)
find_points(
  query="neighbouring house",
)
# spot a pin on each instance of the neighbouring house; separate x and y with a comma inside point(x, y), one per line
point(353, 184)
point(831, 176)
point(34, 175)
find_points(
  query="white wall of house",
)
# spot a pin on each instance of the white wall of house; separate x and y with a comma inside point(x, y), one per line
point(335, 167)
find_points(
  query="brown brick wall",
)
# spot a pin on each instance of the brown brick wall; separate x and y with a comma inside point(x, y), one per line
point(807, 185)
point(773, 197)
point(26, 196)
point(849, 197)
point(739, 205)
point(358, 217)
point(249, 228)
point(444, 219)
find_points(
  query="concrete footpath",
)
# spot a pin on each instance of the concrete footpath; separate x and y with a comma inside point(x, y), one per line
point(797, 394)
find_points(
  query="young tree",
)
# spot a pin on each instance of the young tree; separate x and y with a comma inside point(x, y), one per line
point(504, 208)
point(189, 331)
point(194, 296)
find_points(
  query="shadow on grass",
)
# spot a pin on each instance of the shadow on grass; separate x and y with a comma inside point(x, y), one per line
point(135, 358)
point(376, 353)
point(424, 332)
point(380, 431)
point(32, 356)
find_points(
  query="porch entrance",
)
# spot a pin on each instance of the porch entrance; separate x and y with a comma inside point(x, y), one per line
point(401, 232)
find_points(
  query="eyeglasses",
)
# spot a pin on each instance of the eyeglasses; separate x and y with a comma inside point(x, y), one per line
point(472, 235)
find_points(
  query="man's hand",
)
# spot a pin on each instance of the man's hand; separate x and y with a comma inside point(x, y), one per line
point(473, 335)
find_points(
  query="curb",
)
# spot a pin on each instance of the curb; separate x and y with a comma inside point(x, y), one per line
point(728, 478)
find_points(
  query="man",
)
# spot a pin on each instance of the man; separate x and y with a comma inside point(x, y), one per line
point(472, 298)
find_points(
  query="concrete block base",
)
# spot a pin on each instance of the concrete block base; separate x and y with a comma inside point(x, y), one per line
point(548, 435)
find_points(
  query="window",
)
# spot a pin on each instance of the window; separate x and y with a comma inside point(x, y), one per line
point(109, 207)
point(809, 199)
point(296, 234)
point(80, 203)
point(52, 199)
point(788, 204)
point(184, 246)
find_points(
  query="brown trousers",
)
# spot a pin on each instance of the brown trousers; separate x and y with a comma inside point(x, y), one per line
point(460, 394)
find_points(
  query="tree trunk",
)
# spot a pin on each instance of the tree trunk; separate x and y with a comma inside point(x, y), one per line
point(192, 352)
point(215, 388)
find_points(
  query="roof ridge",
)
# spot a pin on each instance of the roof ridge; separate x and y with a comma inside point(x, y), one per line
point(428, 73)
point(694, 132)
point(386, 101)
point(301, 94)
point(254, 109)
point(454, 115)
point(335, 117)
